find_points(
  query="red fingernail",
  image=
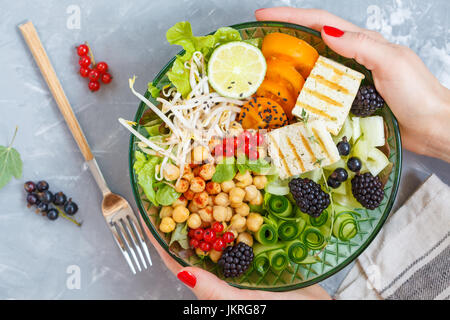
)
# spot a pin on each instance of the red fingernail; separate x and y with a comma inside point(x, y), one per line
point(332, 31)
point(259, 10)
point(187, 278)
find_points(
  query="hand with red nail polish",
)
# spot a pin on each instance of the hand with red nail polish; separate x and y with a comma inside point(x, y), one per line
point(420, 103)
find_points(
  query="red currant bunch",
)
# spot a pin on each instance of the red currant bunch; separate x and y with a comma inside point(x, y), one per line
point(210, 238)
point(89, 69)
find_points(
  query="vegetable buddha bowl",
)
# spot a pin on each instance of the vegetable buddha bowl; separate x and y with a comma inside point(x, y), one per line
point(262, 156)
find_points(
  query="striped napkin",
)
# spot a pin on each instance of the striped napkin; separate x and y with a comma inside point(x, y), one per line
point(410, 257)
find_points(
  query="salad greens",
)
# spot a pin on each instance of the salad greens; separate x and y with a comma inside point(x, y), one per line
point(145, 171)
point(10, 163)
point(225, 170)
point(166, 195)
point(180, 235)
point(181, 34)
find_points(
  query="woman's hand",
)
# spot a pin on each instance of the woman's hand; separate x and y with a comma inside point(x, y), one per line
point(205, 285)
point(420, 103)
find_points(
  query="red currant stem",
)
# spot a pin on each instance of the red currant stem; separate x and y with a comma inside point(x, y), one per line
point(67, 218)
point(91, 54)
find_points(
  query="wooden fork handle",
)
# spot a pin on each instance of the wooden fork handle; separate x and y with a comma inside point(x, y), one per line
point(34, 44)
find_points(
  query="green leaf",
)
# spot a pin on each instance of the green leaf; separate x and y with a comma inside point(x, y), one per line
point(154, 91)
point(180, 235)
point(259, 166)
point(225, 35)
point(10, 163)
point(179, 76)
point(145, 171)
point(225, 170)
point(166, 195)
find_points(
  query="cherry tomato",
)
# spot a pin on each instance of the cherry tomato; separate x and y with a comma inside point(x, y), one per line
point(228, 237)
point(205, 246)
point(217, 227)
point(209, 235)
point(194, 243)
point(219, 244)
point(198, 234)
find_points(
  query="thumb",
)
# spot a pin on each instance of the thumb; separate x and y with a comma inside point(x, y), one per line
point(205, 285)
point(368, 50)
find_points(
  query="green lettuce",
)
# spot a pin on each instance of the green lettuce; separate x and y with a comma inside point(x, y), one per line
point(166, 195)
point(180, 235)
point(259, 166)
point(225, 170)
point(181, 34)
point(145, 171)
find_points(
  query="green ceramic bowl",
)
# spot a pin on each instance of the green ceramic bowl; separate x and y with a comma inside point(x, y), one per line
point(337, 254)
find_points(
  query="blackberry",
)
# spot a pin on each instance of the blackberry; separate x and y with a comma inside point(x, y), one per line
point(309, 196)
point(368, 190)
point(367, 101)
point(235, 260)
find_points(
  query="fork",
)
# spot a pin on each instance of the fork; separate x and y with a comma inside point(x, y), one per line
point(117, 212)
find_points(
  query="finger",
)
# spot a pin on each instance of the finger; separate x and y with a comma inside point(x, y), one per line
point(206, 285)
point(365, 49)
point(171, 264)
point(311, 18)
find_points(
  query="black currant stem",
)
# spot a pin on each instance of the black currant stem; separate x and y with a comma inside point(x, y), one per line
point(68, 218)
point(13, 138)
point(91, 54)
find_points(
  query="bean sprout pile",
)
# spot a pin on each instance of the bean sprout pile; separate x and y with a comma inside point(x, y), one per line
point(192, 121)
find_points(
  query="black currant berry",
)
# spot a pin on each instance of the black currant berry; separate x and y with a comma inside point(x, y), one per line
point(52, 214)
point(42, 185)
point(70, 207)
point(29, 186)
point(354, 164)
point(60, 199)
point(343, 147)
point(32, 199)
point(333, 183)
point(46, 196)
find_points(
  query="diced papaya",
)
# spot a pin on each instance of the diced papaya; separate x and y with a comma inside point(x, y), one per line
point(262, 113)
point(284, 72)
point(279, 93)
point(291, 49)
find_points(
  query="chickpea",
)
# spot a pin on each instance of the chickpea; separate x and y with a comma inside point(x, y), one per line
point(238, 222)
point(197, 185)
point(212, 187)
point(182, 185)
point(200, 252)
point(237, 195)
point(167, 224)
point(165, 212)
point(260, 181)
point(254, 221)
point(215, 255)
point(196, 170)
point(226, 186)
point(189, 195)
point(246, 238)
point(207, 171)
point(242, 210)
point(180, 214)
point(192, 207)
point(242, 176)
point(194, 221)
point(181, 201)
point(206, 214)
point(213, 143)
point(200, 153)
point(219, 213)
point(258, 200)
point(222, 199)
point(229, 214)
point(240, 230)
point(251, 192)
point(201, 199)
point(187, 173)
point(235, 205)
point(171, 172)
point(244, 183)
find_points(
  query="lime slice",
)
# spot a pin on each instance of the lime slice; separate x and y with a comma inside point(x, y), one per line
point(236, 69)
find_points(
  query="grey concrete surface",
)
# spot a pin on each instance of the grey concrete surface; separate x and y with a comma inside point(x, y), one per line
point(35, 254)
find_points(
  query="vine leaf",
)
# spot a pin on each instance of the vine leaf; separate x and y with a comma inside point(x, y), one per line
point(10, 163)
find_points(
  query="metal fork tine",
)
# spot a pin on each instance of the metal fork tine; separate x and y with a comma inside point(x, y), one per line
point(138, 231)
point(120, 229)
point(133, 237)
point(122, 249)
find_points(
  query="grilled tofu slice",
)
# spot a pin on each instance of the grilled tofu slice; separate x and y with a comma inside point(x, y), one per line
point(300, 147)
point(328, 93)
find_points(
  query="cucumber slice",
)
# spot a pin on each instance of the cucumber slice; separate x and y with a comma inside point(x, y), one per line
point(346, 131)
point(361, 150)
point(356, 129)
point(315, 175)
point(373, 130)
point(376, 161)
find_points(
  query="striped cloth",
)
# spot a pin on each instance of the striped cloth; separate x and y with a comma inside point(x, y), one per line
point(410, 257)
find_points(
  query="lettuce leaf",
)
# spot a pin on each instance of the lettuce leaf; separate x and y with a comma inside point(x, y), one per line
point(166, 195)
point(145, 171)
point(225, 170)
point(180, 235)
point(259, 166)
point(181, 34)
